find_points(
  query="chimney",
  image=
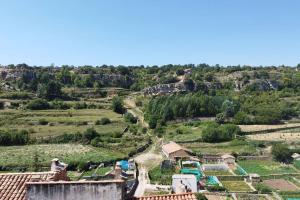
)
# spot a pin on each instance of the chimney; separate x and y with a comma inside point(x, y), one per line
point(60, 170)
point(56, 165)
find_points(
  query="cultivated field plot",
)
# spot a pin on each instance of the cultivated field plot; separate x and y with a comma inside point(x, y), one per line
point(236, 186)
point(276, 136)
point(253, 128)
point(24, 155)
point(221, 148)
point(180, 132)
point(60, 121)
point(281, 184)
point(265, 167)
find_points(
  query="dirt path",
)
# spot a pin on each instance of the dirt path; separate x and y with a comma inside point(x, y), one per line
point(147, 161)
point(133, 109)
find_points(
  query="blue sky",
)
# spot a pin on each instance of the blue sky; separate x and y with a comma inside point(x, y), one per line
point(152, 32)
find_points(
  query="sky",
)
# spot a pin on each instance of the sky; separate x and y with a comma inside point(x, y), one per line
point(150, 32)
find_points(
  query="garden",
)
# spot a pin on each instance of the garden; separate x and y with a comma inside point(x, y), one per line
point(265, 167)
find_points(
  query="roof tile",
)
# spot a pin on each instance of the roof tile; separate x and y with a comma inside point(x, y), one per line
point(12, 185)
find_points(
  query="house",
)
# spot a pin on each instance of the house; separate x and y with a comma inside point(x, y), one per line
point(228, 159)
point(296, 156)
point(183, 183)
point(185, 196)
point(76, 190)
point(12, 185)
point(174, 151)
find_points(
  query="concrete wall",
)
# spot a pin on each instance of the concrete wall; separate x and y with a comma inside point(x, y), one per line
point(91, 190)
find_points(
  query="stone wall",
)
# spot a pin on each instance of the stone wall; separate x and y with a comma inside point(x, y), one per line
point(79, 190)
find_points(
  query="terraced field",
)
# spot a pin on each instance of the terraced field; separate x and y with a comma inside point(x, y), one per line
point(24, 155)
point(60, 121)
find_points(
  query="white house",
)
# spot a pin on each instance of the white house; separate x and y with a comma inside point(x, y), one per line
point(183, 183)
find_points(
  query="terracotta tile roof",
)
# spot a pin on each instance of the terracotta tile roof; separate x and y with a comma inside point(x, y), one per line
point(12, 185)
point(185, 196)
point(173, 147)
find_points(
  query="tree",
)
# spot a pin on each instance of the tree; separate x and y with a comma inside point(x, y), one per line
point(281, 153)
point(130, 118)
point(64, 76)
point(117, 105)
point(1, 105)
point(241, 118)
point(38, 104)
point(50, 91)
point(220, 133)
point(189, 84)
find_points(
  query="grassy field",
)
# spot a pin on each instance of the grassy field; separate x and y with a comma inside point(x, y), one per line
point(265, 167)
point(24, 155)
point(221, 148)
point(60, 121)
point(158, 176)
point(180, 132)
point(236, 186)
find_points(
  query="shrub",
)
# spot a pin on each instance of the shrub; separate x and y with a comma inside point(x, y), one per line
point(242, 118)
point(16, 95)
point(90, 134)
point(281, 153)
point(60, 105)
point(14, 137)
point(43, 122)
point(80, 105)
point(38, 104)
point(103, 121)
point(117, 105)
point(220, 118)
point(130, 118)
point(1, 105)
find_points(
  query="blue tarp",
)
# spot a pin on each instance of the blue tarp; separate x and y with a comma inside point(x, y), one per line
point(124, 165)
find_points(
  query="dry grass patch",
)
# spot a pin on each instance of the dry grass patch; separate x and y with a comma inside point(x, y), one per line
point(253, 128)
point(276, 136)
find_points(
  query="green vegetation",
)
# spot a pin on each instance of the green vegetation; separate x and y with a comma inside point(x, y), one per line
point(130, 118)
point(220, 133)
point(117, 105)
point(265, 167)
point(23, 156)
point(236, 186)
point(103, 121)
point(60, 121)
point(281, 153)
point(236, 146)
point(161, 176)
point(13, 137)
point(97, 172)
